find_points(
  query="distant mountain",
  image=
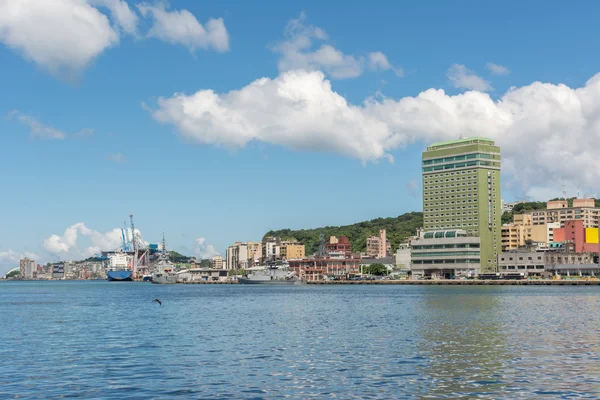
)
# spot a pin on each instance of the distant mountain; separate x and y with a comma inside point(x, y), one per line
point(398, 230)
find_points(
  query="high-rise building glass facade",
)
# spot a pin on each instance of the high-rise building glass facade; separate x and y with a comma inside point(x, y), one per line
point(461, 190)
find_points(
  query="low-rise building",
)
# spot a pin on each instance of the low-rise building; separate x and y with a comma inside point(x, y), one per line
point(339, 244)
point(508, 207)
point(216, 262)
point(291, 250)
point(446, 254)
point(525, 262)
point(314, 269)
point(403, 256)
point(202, 274)
point(576, 235)
point(388, 262)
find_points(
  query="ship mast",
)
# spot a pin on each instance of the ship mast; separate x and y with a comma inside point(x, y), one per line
point(134, 242)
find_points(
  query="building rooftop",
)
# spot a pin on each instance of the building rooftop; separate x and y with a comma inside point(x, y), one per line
point(475, 139)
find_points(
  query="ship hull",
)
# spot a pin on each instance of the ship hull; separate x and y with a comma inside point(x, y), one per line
point(119, 276)
point(246, 281)
point(164, 279)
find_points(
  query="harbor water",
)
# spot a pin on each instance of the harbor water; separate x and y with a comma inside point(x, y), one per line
point(108, 340)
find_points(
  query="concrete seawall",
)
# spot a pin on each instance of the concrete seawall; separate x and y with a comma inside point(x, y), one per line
point(472, 282)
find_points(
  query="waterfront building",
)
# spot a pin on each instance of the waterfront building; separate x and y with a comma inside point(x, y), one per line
point(315, 269)
point(291, 250)
point(27, 268)
point(567, 258)
point(58, 271)
point(378, 246)
point(559, 211)
point(403, 256)
point(216, 262)
point(525, 262)
point(339, 244)
point(203, 275)
point(446, 254)
point(461, 190)
point(577, 237)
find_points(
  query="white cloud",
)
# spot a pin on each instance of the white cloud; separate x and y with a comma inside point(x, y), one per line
point(9, 259)
point(44, 31)
point(116, 157)
point(497, 69)
point(182, 27)
point(463, 78)
point(547, 132)
point(379, 62)
point(205, 250)
point(42, 131)
point(297, 52)
point(65, 246)
point(85, 132)
point(124, 17)
point(296, 110)
point(65, 36)
point(37, 129)
point(413, 188)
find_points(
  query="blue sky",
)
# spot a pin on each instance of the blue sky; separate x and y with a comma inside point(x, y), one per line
point(92, 129)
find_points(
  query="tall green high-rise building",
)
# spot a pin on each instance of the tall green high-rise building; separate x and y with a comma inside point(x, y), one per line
point(461, 190)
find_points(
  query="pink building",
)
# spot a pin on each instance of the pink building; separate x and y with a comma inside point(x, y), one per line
point(378, 246)
point(573, 235)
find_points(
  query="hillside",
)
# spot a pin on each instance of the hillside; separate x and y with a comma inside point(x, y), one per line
point(398, 230)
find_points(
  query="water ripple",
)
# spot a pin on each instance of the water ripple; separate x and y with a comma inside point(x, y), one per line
point(103, 340)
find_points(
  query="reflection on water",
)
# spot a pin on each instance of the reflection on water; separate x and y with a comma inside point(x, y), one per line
point(461, 337)
point(108, 340)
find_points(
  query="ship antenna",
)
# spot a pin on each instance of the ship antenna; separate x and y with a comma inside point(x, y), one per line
point(134, 241)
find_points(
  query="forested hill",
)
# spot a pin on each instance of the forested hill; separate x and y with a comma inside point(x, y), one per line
point(398, 230)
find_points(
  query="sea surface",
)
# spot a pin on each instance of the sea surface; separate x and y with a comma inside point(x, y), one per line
point(111, 341)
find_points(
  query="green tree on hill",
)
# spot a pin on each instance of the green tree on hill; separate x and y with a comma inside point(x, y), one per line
point(375, 269)
point(398, 230)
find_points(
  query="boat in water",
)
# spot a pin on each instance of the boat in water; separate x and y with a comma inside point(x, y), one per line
point(119, 269)
point(164, 270)
point(271, 275)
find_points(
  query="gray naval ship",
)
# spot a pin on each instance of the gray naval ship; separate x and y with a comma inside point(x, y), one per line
point(271, 275)
point(164, 270)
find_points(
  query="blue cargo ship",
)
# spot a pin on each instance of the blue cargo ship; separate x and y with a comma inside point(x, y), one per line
point(119, 275)
point(119, 269)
